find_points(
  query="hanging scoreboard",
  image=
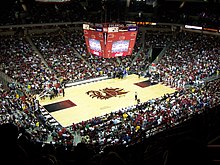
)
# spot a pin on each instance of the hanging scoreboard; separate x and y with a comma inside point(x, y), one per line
point(110, 40)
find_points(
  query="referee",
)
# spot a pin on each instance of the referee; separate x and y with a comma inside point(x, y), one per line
point(135, 96)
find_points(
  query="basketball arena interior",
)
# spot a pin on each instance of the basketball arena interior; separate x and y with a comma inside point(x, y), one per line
point(100, 82)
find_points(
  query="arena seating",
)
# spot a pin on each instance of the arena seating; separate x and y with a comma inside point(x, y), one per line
point(174, 129)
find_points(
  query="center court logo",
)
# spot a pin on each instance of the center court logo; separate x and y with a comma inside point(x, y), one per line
point(106, 93)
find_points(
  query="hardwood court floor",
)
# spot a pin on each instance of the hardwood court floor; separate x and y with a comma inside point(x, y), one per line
point(88, 107)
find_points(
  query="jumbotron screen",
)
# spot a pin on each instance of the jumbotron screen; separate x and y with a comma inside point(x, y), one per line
point(110, 40)
point(120, 46)
point(94, 42)
point(95, 46)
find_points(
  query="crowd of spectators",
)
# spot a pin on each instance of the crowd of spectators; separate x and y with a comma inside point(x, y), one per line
point(188, 61)
point(25, 66)
point(190, 58)
point(72, 54)
point(28, 136)
point(24, 131)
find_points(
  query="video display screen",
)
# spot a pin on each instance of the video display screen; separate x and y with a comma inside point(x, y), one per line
point(120, 46)
point(95, 45)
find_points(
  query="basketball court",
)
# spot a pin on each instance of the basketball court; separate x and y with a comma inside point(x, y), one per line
point(85, 101)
